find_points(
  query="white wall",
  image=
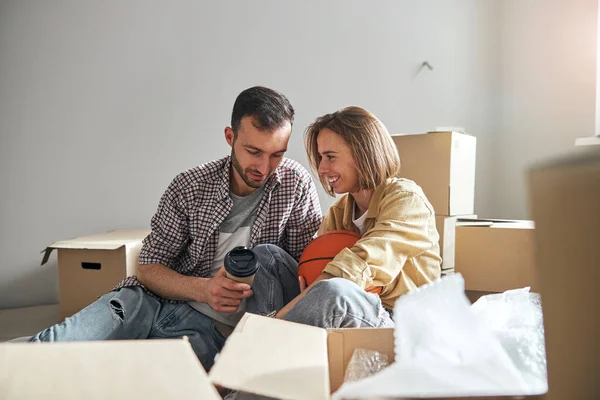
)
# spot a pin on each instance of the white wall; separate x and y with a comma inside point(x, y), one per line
point(548, 88)
point(103, 103)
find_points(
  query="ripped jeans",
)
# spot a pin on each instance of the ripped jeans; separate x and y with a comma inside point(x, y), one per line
point(131, 313)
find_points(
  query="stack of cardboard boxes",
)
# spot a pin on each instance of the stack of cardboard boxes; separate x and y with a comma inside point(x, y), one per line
point(492, 255)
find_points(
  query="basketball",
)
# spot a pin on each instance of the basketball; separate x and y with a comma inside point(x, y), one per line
point(323, 249)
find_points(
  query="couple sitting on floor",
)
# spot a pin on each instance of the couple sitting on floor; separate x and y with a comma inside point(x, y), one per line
point(257, 198)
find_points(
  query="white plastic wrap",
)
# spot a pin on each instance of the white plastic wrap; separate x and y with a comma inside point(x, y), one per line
point(445, 347)
point(515, 317)
point(365, 363)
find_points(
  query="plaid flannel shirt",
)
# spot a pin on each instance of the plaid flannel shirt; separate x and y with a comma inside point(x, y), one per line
point(185, 228)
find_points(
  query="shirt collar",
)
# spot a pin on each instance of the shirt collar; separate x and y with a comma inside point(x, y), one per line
point(375, 200)
point(371, 211)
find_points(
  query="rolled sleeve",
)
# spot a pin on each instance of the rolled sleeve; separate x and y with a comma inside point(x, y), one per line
point(350, 266)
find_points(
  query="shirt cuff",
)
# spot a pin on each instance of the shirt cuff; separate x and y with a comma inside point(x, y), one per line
point(349, 266)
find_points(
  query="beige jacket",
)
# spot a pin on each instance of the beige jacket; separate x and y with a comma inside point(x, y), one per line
point(400, 248)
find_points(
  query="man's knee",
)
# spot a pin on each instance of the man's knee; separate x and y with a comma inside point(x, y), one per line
point(271, 256)
point(125, 302)
point(117, 308)
point(267, 251)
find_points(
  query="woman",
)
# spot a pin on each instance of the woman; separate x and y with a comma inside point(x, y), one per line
point(354, 155)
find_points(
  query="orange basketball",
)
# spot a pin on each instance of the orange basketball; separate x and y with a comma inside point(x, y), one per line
point(323, 249)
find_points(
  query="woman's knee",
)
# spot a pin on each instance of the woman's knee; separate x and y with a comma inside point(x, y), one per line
point(341, 291)
point(334, 303)
point(333, 287)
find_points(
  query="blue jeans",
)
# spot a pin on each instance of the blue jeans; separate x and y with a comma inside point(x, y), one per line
point(332, 303)
point(131, 313)
point(340, 303)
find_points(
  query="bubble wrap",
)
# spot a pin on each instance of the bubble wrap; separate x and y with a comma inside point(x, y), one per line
point(515, 317)
point(365, 363)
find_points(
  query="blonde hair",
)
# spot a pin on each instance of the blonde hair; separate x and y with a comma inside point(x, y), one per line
point(371, 145)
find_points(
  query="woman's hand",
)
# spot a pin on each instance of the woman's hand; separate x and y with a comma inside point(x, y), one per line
point(302, 283)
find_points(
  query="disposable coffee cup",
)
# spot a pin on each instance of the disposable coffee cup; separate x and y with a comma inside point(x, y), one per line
point(241, 265)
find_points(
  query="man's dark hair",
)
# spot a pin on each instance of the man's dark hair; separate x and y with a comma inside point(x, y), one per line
point(268, 108)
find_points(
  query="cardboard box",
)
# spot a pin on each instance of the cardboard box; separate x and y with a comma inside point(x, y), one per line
point(91, 266)
point(446, 227)
point(443, 164)
point(263, 355)
point(565, 204)
point(120, 370)
point(497, 257)
point(282, 359)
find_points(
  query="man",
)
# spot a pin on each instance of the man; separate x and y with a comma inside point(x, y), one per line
point(254, 198)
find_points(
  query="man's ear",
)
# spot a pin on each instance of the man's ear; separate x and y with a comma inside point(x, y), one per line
point(229, 136)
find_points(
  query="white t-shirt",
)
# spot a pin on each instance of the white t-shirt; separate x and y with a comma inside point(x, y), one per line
point(234, 231)
point(360, 221)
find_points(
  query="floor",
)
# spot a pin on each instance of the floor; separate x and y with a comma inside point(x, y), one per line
point(27, 321)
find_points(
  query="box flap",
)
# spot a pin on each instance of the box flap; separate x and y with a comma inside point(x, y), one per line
point(148, 369)
point(450, 129)
point(275, 358)
point(496, 223)
point(111, 240)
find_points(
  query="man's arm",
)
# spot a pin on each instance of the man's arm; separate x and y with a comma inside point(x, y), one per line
point(304, 220)
point(220, 292)
point(168, 238)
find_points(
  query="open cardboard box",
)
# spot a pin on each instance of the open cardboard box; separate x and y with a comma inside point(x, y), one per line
point(119, 370)
point(90, 266)
point(263, 355)
point(282, 359)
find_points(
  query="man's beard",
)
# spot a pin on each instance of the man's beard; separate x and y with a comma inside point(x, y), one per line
point(240, 170)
